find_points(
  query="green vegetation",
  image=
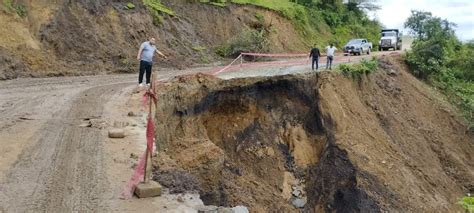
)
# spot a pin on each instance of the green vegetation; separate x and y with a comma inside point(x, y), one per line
point(19, 9)
point(248, 41)
point(219, 3)
point(198, 48)
point(317, 20)
point(205, 59)
point(260, 18)
point(157, 9)
point(130, 6)
point(358, 70)
point(467, 203)
point(438, 57)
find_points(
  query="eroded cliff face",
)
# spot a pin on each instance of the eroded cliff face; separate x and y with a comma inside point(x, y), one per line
point(340, 145)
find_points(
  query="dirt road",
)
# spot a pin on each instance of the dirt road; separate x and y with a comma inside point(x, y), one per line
point(49, 161)
point(61, 167)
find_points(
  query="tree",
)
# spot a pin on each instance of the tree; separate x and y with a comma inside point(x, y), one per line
point(307, 3)
point(370, 5)
point(425, 26)
point(435, 42)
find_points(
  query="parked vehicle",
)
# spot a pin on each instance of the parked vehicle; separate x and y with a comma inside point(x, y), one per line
point(357, 46)
point(390, 38)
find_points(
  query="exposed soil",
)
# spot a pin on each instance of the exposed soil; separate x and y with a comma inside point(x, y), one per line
point(59, 38)
point(178, 181)
point(265, 143)
point(11, 67)
point(368, 146)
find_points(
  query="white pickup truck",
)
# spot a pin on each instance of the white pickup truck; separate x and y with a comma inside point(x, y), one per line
point(357, 47)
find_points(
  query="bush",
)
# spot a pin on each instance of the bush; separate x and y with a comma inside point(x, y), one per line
point(463, 62)
point(248, 41)
point(426, 58)
point(223, 50)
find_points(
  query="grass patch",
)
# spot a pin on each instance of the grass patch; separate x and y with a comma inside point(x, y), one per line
point(285, 7)
point(219, 3)
point(260, 17)
point(205, 60)
point(467, 203)
point(198, 48)
point(19, 9)
point(358, 70)
point(130, 6)
point(157, 10)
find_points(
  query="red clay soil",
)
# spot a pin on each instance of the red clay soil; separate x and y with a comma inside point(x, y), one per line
point(386, 143)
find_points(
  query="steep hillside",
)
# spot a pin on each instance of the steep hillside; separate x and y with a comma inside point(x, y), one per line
point(52, 38)
point(84, 37)
point(336, 144)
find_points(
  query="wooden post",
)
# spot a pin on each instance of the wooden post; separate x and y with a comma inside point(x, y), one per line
point(149, 188)
point(148, 156)
point(241, 62)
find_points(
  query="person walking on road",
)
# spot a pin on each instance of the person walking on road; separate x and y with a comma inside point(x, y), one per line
point(330, 50)
point(315, 54)
point(145, 56)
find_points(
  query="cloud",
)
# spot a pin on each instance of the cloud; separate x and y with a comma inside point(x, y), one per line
point(461, 12)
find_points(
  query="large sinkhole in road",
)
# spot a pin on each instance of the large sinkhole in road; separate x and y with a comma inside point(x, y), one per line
point(259, 142)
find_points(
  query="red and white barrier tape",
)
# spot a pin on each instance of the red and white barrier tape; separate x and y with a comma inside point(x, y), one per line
point(139, 173)
point(290, 55)
point(226, 67)
point(232, 67)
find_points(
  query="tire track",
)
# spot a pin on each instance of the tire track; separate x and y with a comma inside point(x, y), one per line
point(64, 171)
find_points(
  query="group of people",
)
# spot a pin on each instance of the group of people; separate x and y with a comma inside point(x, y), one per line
point(148, 49)
point(315, 54)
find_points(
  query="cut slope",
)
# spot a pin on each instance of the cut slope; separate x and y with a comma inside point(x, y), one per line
point(93, 37)
point(385, 144)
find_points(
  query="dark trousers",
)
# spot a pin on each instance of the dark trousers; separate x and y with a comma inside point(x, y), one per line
point(145, 66)
point(329, 62)
point(315, 61)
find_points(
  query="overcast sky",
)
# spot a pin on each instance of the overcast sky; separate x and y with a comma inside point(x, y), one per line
point(395, 12)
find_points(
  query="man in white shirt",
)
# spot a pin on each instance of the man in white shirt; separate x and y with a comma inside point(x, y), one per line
point(330, 50)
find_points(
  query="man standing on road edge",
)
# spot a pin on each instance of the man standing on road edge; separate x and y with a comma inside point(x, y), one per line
point(330, 50)
point(315, 53)
point(145, 55)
